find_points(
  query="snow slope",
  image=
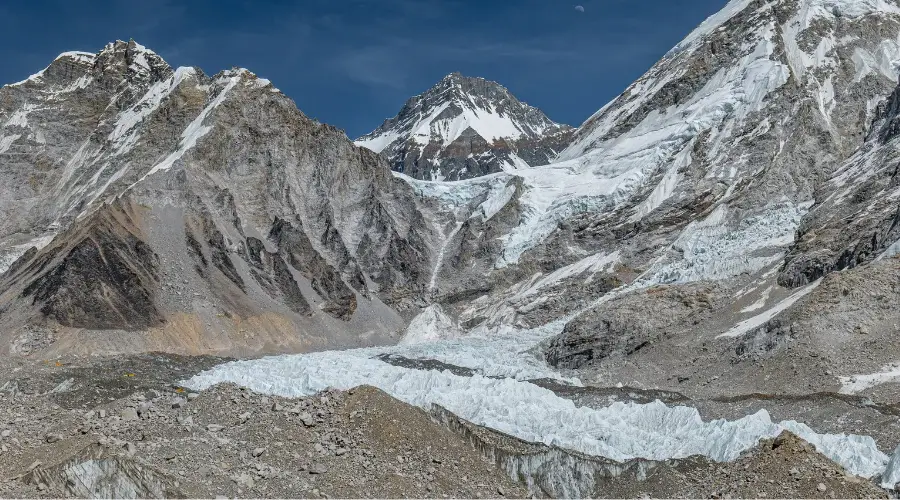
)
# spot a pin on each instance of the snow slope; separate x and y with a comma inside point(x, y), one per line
point(454, 105)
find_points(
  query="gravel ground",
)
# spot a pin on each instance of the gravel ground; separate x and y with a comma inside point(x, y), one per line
point(165, 441)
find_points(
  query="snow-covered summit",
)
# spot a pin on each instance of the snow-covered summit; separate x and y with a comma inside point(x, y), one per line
point(464, 127)
point(133, 57)
point(457, 103)
point(117, 60)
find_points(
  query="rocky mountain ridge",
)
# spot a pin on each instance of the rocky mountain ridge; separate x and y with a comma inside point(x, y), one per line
point(206, 209)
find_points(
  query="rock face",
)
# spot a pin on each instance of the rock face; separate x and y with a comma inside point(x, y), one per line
point(857, 220)
point(466, 127)
point(136, 196)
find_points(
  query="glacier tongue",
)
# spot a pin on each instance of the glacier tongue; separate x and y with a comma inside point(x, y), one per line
point(510, 404)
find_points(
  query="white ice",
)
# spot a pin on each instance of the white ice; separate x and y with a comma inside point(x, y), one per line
point(620, 432)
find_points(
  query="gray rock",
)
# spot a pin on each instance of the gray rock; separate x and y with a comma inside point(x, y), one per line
point(245, 480)
point(144, 409)
point(307, 419)
point(129, 414)
point(317, 468)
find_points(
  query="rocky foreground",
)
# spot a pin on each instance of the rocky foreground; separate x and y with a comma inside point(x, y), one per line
point(123, 427)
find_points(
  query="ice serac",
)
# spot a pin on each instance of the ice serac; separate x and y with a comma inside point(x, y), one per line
point(466, 127)
point(207, 212)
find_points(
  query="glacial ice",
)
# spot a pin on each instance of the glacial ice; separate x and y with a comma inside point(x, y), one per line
point(513, 405)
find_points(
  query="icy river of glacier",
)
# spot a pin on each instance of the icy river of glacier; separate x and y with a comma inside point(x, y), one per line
point(498, 395)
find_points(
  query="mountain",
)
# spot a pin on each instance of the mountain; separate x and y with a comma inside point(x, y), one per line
point(207, 213)
point(709, 261)
point(703, 214)
point(733, 186)
point(466, 127)
point(720, 239)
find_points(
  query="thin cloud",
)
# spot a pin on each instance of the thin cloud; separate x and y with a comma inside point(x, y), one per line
point(375, 66)
point(391, 64)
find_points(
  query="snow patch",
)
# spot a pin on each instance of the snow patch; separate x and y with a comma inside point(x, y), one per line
point(885, 61)
point(589, 266)
point(761, 319)
point(11, 254)
point(666, 187)
point(378, 143)
point(857, 383)
point(499, 196)
point(125, 135)
point(81, 57)
point(731, 9)
point(759, 304)
point(446, 240)
point(7, 141)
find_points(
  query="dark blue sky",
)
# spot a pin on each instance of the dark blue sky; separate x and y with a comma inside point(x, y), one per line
point(353, 63)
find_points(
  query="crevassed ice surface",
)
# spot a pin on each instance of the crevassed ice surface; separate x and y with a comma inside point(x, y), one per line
point(499, 396)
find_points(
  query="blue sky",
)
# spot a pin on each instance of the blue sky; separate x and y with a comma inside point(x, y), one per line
point(353, 63)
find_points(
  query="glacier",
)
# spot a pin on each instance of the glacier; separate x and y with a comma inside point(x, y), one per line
point(500, 396)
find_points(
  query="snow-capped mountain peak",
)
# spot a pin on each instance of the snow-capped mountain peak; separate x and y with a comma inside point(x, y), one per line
point(438, 127)
point(134, 59)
